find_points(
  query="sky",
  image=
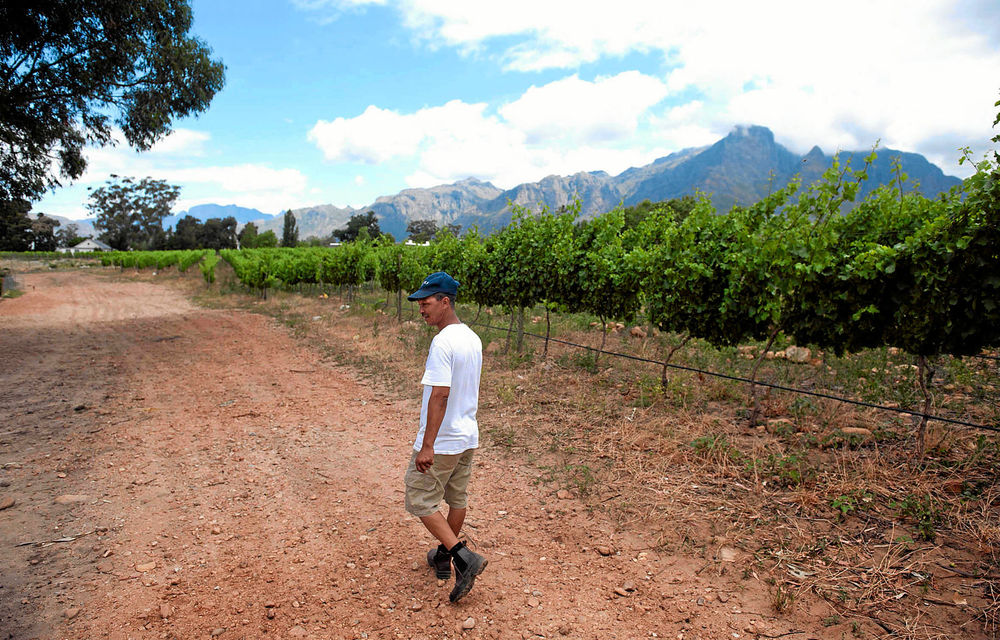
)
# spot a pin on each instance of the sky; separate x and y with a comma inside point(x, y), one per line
point(341, 101)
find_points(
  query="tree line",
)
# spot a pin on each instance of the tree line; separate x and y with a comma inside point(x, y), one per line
point(19, 231)
point(129, 213)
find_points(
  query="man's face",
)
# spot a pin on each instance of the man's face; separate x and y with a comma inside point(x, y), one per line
point(433, 310)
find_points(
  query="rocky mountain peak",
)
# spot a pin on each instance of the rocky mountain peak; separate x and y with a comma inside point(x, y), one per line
point(754, 132)
point(742, 167)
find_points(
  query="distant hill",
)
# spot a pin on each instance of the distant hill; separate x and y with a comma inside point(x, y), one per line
point(737, 169)
point(202, 212)
point(205, 211)
point(85, 228)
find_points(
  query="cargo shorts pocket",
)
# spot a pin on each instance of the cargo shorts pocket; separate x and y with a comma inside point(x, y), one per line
point(423, 493)
point(420, 481)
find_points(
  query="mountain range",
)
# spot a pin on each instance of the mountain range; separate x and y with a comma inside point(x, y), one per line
point(741, 168)
point(203, 212)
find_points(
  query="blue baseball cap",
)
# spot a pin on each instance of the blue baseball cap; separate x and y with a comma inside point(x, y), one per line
point(437, 282)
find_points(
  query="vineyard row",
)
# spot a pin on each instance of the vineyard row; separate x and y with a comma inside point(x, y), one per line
point(895, 269)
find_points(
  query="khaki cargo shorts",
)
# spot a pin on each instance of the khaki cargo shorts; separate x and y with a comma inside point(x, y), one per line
point(447, 478)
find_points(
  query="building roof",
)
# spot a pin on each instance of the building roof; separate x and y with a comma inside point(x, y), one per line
point(92, 243)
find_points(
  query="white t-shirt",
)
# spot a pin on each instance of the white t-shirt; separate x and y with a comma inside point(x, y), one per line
point(455, 360)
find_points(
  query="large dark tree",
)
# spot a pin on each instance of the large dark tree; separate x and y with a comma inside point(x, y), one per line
point(130, 214)
point(427, 230)
point(15, 225)
point(290, 232)
point(185, 235)
point(267, 239)
point(355, 224)
point(218, 233)
point(43, 233)
point(421, 230)
point(248, 236)
point(73, 70)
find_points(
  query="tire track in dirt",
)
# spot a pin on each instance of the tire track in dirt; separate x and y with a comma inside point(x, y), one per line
point(242, 487)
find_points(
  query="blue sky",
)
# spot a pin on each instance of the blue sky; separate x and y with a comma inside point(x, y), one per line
point(341, 101)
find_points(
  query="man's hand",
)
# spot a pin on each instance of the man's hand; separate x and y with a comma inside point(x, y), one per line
point(425, 459)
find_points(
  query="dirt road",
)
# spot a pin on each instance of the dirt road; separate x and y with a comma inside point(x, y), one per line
point(179, 472)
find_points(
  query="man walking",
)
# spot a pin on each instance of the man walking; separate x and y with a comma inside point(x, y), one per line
point(441, 463)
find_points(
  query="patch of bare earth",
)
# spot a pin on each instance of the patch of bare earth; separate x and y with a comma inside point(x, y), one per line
point(181, 472)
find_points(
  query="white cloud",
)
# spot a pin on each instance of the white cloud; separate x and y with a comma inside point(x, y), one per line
point(241, 178)
point(179, 147)
point(315, 5)
point(566, 126)
point(841, 75)
point(557, 33)
point(607, 109)
point(328, 11)
point(379, 135)
point(373, 137)
point(250, 185)
point(182, 142)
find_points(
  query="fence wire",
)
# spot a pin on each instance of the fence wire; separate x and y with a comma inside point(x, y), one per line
point(770, 385)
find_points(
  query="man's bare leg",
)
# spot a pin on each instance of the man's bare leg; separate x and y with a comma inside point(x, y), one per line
point(456, 518)
point(446, 530)
point(441, 528)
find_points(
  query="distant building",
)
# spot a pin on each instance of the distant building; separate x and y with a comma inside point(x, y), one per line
point(86, 246)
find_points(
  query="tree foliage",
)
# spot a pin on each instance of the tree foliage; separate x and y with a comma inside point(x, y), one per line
point(130, 214)
point(421, 230)
point(73, 71)
point(69, 236)
point(217, 233)
point(20, 232)
point(185, 234)
point(680, 207)
point(43, 233)
point(190, 233)
point(15, 225)
point(267, 239)
point(290, 230)
point(248, 236)
point(356, 224)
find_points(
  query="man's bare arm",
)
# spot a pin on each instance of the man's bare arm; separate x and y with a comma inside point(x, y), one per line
point(437, 404)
